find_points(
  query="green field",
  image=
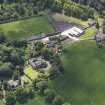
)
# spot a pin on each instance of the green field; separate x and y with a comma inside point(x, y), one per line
point(26, 28)
point(89, 33)
point(83, 82)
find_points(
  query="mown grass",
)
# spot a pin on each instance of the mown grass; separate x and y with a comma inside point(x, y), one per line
point(26, 28)
point(89, 33)
point(30, 74)
point(83, 82)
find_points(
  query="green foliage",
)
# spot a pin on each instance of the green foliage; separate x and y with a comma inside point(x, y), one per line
point(97, 4)
point(97, 25)
point(104, 26)
point(10, 99)
point(16, 57)
point(66, 103)
point(6, 70)
point(104, 29)
point(19, 43)
point(22, 95)
point(49, 95)
point(47, 53)
point(41, 86)
point(38, 46)
point(2, 39)
point(16, 10)
point(58, 100)
point(79, 11)
point(10, 57)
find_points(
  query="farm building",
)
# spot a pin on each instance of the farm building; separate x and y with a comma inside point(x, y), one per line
point(74, 31)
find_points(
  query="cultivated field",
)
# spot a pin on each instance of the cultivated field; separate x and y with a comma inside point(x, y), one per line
point(83, 82)
point(26, 28)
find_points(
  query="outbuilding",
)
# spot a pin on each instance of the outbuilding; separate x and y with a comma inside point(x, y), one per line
point(74, 31)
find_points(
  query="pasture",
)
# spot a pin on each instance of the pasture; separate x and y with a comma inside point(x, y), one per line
point(83, 82)
point(25, 28)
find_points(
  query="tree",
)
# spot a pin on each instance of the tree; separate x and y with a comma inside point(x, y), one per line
point(41, 86)
point(66, 103)
point(97, 25)
point(49, 95)
point(46, 53)
point(2, 38)
point(58, 100)
point(6, 70)
point(19, 43)
point(38, 46)
point(35, 11)
point(10, 100)
point(104, 22)
point(21, 95)
point(104, 29)
point(16, 57)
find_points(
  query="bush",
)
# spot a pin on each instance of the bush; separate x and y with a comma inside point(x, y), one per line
point(41, 86)
point(49, 95)
point(2, 38)
point(10, 100)
point(58, 100)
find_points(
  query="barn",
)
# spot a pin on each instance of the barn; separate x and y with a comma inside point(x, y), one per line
point(74, 31)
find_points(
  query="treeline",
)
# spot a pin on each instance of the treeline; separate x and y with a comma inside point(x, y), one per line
point(79, 11)
point(14, 9)
point(11, 56)
point(99, 5)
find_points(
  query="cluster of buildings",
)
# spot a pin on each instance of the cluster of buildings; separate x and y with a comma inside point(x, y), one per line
point(74, 32)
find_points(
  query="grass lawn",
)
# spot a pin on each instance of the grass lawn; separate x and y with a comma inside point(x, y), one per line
point(1, 102)
point(83, 82)
point(26, 28)
point(31, 73)
point(89, 33)
point(36, 101)
point(78, 21)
